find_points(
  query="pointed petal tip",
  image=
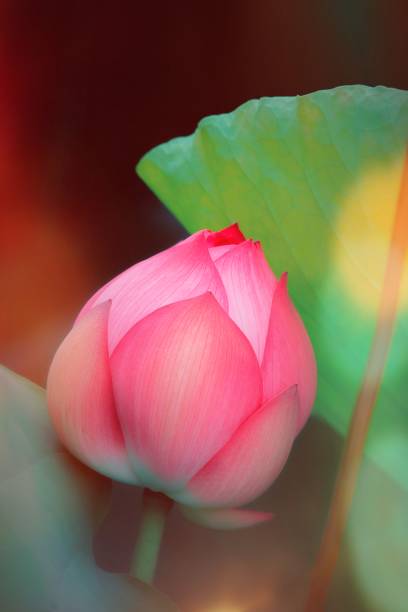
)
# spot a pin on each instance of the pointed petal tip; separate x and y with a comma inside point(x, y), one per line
point(103, 307)
point(92, 305)
point(283, 281)
point(228, 235)
point(235, 230)
point(204, 300)
point(235, 227)
point(207, 295)
point(291, 393)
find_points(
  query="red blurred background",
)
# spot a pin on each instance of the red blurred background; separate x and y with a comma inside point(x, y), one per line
point(85, 89)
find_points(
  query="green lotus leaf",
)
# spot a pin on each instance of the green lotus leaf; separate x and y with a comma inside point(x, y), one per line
point(377, 539)
point(50, 506)
point(316, 178)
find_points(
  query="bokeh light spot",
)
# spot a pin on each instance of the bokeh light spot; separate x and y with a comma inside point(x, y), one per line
point(364, 228)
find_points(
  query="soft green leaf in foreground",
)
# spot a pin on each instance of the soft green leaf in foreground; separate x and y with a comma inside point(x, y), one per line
point(316, 179)
point(50, 505)
point(377, 541)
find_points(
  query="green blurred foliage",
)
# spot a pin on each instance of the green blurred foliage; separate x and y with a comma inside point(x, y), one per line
point(50, 505)
point(377, 541)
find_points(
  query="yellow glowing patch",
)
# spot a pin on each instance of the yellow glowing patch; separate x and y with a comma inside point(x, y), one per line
point(363, 234)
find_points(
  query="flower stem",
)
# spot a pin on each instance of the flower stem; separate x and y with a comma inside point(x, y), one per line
point(364, 407)
point(155, 507)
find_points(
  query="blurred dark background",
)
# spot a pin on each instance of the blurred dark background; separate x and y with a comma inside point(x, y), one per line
point(85, 89)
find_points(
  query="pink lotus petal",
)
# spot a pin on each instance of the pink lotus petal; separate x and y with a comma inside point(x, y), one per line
point(251, 460)
point(183, 271)
point(184, 379)
point(225, 518)
point(250, 285)
point(289, 358)
point(80, 399)
point(219, 251)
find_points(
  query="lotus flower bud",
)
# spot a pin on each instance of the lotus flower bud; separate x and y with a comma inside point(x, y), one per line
point(190, 373)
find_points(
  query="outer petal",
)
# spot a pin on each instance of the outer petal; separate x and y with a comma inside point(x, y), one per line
point(289, 358)
point(80, 399)
point(250, 285)
point(251, 460)
point(182, 271)
point(184, 379)
point(225, 518)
